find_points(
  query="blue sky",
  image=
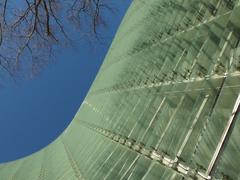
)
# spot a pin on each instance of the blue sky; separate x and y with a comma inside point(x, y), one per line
point(34, 112)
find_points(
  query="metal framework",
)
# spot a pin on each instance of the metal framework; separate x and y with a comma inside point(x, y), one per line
point(164, 105)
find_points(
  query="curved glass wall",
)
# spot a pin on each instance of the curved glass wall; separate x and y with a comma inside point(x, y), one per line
point(164, 105)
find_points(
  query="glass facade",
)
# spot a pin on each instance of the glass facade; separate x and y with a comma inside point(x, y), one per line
point(164, 105)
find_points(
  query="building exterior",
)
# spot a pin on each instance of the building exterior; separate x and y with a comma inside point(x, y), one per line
point(164, 105)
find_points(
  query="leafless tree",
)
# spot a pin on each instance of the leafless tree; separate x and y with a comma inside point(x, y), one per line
point(32, 28)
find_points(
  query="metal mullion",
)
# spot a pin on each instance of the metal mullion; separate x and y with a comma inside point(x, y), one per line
point(123, 124)
point(153, 118)
point(139, 117)
point(115, 163)
point(224, 138)
point(192, 126)
point(170, 121)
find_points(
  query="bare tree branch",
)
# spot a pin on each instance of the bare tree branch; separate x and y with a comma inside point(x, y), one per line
point(34, 27)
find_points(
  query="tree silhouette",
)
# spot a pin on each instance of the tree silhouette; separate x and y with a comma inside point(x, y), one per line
point(33, 27)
